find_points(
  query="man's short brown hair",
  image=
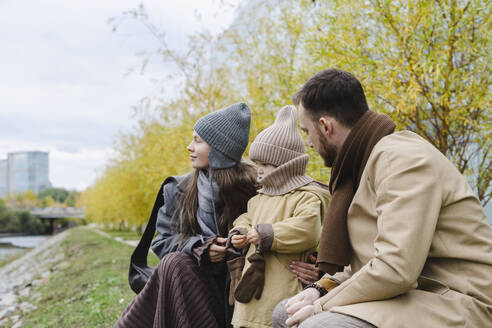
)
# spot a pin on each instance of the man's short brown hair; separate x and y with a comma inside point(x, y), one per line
point(333, 92)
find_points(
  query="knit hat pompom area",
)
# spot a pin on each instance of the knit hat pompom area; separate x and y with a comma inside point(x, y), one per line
point(281, 145)
point(227, 132)
point(280, 142)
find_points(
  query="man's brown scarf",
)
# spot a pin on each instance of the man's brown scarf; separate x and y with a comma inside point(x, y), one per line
point(334, 248)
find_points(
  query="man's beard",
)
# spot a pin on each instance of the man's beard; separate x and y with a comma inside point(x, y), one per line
point(328, 152)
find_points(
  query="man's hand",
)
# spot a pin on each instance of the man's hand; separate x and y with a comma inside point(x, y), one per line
point(253, 237)
point(301, 315)
point(239, 241)
point(300, 307)
point(217, 251)
point(304, 298)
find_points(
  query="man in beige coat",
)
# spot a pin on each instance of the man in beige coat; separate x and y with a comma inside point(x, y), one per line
point(411, 234)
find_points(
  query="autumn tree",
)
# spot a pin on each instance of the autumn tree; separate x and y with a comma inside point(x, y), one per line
point(58, 194)
point(425, 63)
point(47, 201)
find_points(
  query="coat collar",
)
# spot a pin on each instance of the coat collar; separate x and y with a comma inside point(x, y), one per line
point(183, 180)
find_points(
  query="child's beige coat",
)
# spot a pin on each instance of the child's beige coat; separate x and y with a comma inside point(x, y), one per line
point(296, 219)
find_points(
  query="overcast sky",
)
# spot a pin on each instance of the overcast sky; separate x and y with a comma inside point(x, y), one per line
point(63, 82)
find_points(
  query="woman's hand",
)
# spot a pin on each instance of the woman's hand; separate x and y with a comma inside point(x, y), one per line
point(306, 272)
point(253, 237)
point(239, 241)
point(217, 251)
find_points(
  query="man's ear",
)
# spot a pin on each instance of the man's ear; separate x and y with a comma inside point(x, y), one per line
point(326, 125)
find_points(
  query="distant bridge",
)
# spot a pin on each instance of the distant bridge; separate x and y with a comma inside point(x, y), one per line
point(58, 212)
point(51, 214)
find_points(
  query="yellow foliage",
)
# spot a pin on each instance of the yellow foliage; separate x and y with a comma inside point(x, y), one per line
point(424, 63)
point(30, 196)
point(48, 201)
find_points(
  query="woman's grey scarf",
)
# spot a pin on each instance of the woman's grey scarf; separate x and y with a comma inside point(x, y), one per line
point(209, 204)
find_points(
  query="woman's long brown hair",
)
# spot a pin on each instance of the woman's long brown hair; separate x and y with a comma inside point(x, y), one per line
point(236, 186)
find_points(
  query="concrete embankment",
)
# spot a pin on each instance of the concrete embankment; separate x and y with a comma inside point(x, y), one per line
point(22, 275)
point(78, 278)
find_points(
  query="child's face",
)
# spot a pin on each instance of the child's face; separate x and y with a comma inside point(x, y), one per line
point(263, 169)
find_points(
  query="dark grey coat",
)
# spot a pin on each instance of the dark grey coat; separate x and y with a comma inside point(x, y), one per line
point(167, 226)
point(168, 239)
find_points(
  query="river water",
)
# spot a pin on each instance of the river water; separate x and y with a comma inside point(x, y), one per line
point(13, 245)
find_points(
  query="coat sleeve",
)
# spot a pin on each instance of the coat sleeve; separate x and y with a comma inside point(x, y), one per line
point(167, 226)
point(408, 202)
point(302, 230)
point(340, 276)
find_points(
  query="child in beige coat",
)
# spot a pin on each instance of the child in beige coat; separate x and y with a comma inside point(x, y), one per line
point(283, 223)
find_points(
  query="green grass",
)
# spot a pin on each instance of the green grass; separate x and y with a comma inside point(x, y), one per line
point(87, 290)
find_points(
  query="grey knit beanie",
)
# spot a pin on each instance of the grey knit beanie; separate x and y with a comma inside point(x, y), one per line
point(227, 133)
point(280, 142)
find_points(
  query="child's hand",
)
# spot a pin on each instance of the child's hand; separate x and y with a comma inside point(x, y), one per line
point(253, 236)
point(239, 241)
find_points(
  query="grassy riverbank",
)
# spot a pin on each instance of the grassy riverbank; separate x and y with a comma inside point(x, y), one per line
point(88, 286)
point(11, 259)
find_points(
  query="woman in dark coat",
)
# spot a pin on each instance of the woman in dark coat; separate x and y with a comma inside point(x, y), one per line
point(189, 287)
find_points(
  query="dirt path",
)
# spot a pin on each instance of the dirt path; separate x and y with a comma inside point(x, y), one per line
point(121, 240)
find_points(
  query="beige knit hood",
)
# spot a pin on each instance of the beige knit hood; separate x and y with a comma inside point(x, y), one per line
point(281, 145)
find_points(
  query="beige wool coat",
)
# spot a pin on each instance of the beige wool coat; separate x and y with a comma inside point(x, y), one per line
point(296, 219)
point(421, 244)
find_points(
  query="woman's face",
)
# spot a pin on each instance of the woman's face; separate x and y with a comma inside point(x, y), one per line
point(198, 149)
